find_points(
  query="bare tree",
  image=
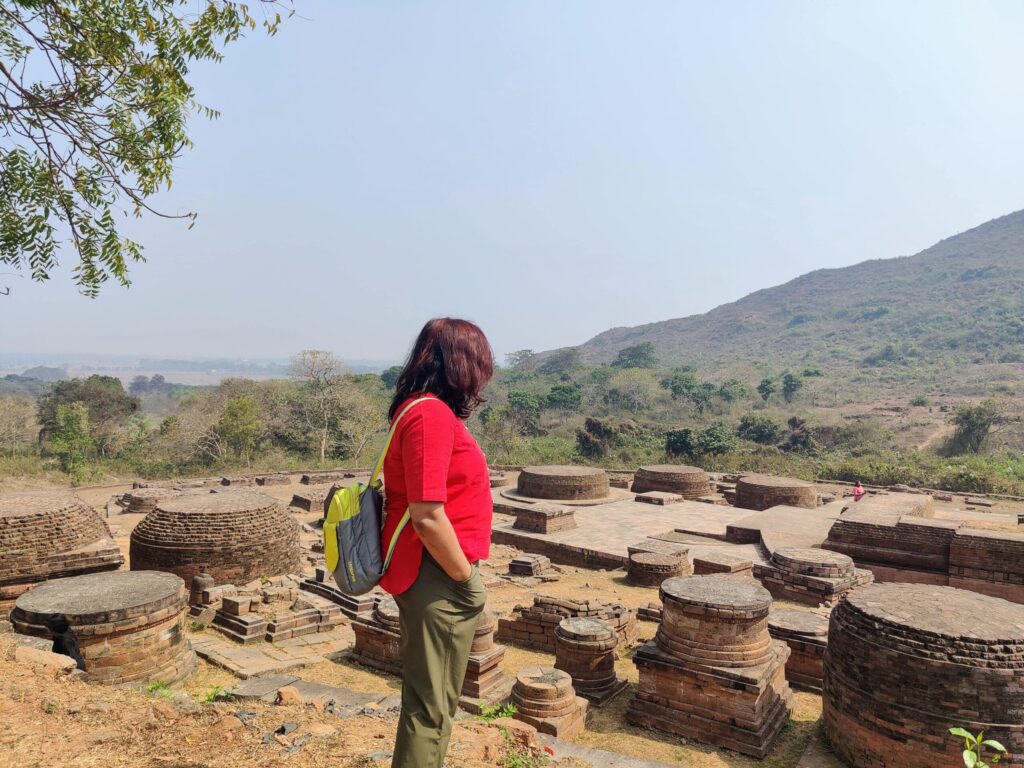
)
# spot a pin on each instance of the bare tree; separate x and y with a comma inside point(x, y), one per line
point(322, 376)
point(18, 424)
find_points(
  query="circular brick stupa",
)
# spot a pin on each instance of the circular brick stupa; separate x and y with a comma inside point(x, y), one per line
point(688, 482)
point(235, 536)
point(713, 673)
point(123, 627)
point(921, 659)
point(761, 492)
point(50, 535)
point(564, 483)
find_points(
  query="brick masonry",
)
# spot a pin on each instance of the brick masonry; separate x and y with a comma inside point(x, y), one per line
point(234, 536)
point(906, 662)
point(585, 648)
point(688, 482)
point(563, 483)
point(125, 627)
point(806, 634)
point(809, 575)
point(760, 492)
point(48, 536)
point(485, 684)
point(545, 699)
point(534, 626)
point(713, 673)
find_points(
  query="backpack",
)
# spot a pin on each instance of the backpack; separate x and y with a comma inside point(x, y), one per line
point(354, 524)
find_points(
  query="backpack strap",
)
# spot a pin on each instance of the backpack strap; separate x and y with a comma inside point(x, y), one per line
point(387, 442)
point(406, 517)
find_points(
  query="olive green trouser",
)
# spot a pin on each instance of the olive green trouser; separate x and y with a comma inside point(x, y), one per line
point(438, 618)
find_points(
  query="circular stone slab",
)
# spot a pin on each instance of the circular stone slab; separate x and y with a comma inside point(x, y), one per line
point(593, 630)
point(788, 621)
point(722, 594)
point(543, 683)
point(812, 561)
point(102, 598)
point(386, 611)
point(965, 618)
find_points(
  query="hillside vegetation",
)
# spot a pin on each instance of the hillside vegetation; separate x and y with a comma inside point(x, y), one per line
point(950, 318)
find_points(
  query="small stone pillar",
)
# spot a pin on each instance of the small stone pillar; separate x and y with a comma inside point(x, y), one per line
point(713, 673)
point(200, 583)
point(585, 648)
point(485, 684)
point(545, 699)
point(649, 569)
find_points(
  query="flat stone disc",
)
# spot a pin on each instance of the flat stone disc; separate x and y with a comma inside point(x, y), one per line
point(802, 623)
point(722, 593)
point(102, 598)
point(544, 683)
point(586, 629)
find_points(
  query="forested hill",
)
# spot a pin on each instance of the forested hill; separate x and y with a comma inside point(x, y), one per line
point(960, 301)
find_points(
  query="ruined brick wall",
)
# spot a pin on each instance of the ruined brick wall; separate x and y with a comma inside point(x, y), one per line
point(989, 562)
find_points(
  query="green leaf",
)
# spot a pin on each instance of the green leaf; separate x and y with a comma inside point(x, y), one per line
point(970, 758)
point(993, 744)
point(961, 733)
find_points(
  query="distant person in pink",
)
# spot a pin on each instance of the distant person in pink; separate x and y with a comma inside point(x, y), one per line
point(858, 491)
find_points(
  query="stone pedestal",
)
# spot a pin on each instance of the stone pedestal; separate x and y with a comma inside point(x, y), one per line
point(378, 638)
point(713, 673)
point(649, 569)
point(810, 576)
point(761, 492)
point(125, 627)
point(485, 684)
point(806, 634)
point(545, 699)
point(906, 662)
point(585, 648)
point(688, 482)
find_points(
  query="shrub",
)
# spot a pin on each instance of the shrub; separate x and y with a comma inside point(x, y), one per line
point(759, 429)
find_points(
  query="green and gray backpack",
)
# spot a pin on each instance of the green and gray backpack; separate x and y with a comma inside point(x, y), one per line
point(354, 524)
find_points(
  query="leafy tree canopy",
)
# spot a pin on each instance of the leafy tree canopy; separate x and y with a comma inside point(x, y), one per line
point(94, 106)
point(638, 356)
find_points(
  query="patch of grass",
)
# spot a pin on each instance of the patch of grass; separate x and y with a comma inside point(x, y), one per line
point(159, 689)
point(496, 712)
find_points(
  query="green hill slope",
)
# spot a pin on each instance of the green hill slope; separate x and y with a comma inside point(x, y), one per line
point(956, 305)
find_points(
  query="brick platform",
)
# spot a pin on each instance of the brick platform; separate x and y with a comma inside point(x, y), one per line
point(906, 662)
point(649, 569)
point(688, 482)
point(545, 518)
point(378, 638)
point(893, 545)
point(47, 536)
point(125, 627)
point(563, 483)
point(762, 492)
point(713, 673)
point(723, 562)
point(326, 477)
point(234, 536)
point(806, 634)
point(585, 648)
point(545, 699)
point(485, 684)
point(534, 626)
point(989, 562)
point(809, 575)
point(274, 479)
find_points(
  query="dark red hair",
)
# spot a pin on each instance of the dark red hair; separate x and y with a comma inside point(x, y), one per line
point(451, 359)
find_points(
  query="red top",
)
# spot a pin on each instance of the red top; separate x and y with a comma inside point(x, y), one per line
point(434, 458)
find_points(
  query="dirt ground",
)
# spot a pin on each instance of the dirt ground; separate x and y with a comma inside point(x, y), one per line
point(47, 721)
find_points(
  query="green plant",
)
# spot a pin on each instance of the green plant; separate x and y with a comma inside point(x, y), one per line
point(197, 626)
point(496, 712)
point(920, 401)
point(159, 689)
point(519, 756)
point(216, 693)
point(974, 747)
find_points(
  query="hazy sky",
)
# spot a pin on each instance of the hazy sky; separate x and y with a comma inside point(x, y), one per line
point(552, 169)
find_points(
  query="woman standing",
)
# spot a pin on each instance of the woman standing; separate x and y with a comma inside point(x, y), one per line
point(435, 469)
